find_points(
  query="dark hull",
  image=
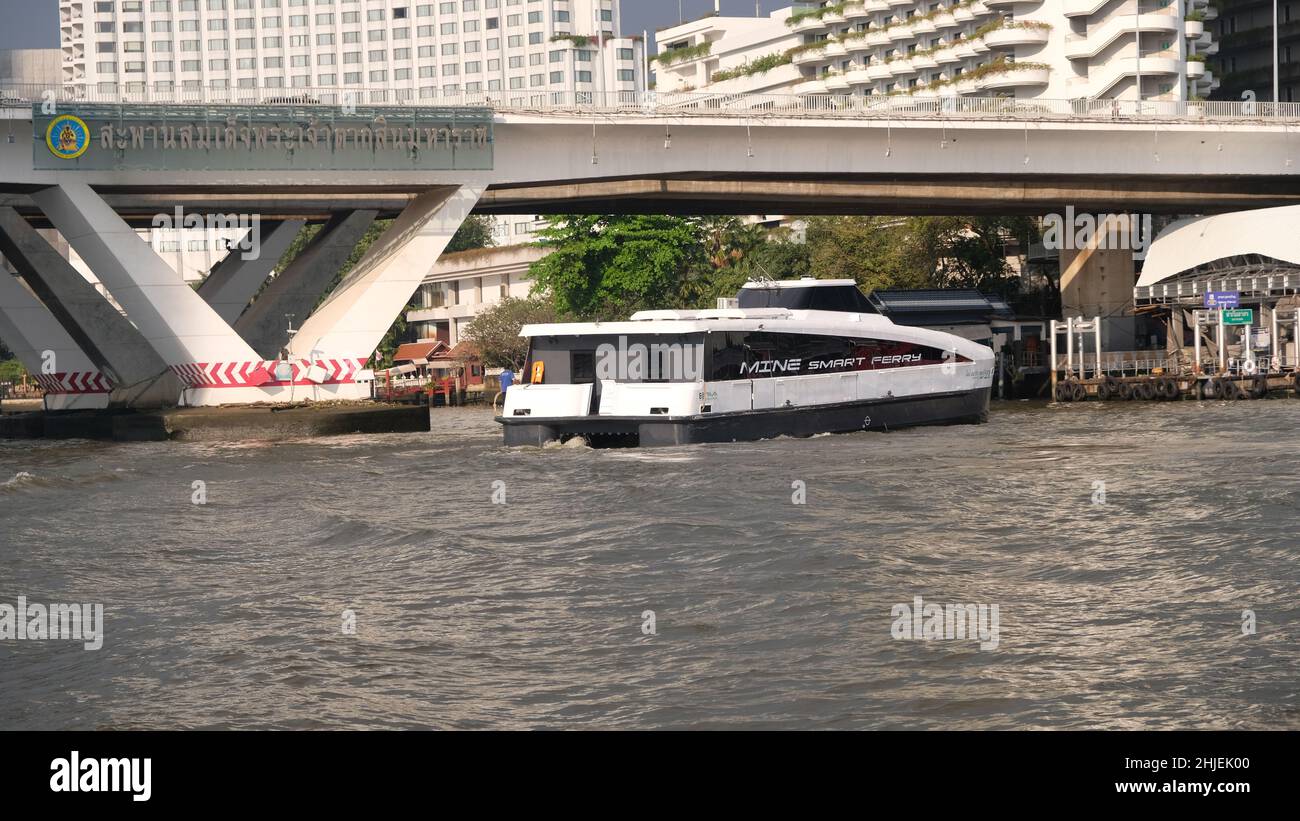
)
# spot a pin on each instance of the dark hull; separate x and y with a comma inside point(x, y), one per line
point(879, 414)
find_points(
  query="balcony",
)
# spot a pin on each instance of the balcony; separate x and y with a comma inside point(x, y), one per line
point(1195, 69)
point(857, 45)
point(1017, 36)
point(924, 61)
point(810, 57)
point(860, 76)
point(810, 87)
point(998, 4)
point(835, 48)
point(836, 83)
point(879, 71)
point(856, 10)
point(898, 34)
point(924, 27)
point(810, 25)
point(901, 67)
point(1015, 77)
point(963, 15)
point(1193, 28)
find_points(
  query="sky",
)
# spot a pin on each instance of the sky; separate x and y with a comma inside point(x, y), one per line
point(648, 15)
point(35, 23)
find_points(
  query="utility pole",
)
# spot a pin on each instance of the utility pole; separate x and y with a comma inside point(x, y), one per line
point(1137, 37)
point(1276, 73)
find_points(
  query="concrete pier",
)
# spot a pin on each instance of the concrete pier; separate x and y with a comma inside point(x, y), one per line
point(227, 424)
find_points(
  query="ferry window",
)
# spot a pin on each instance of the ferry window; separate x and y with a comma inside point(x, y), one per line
point(584, 367)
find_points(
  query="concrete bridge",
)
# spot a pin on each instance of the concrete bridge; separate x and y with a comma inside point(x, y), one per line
point(96, 168)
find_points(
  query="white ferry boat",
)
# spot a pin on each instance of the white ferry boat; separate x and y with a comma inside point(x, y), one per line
point(796, 358)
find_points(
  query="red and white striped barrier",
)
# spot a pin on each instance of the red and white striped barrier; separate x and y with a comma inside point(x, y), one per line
point(264, 374)
point(74, 382)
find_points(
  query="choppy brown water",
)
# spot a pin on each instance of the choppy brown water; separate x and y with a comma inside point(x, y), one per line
point(769, 614)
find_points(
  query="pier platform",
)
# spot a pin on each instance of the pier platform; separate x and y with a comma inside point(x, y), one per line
point(219, 424)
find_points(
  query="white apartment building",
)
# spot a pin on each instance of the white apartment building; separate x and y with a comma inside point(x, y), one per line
point(1049, 49)
point(460, 285)
point(411, 49)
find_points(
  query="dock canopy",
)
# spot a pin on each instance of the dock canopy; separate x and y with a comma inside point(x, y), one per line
point(1243, 243)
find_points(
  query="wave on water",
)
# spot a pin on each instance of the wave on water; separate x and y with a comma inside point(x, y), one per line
point(20, 479)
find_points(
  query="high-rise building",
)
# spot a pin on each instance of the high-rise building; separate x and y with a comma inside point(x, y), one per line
point(409, 49)
point(1244, 30)
point(1048, 49)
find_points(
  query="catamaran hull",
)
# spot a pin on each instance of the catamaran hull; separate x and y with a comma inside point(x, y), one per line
point(741, 426)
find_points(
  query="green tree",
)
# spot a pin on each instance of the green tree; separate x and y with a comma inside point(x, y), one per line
point(495, 330)
point(875, 252)
point(918, 252)
point(971, 252)
point(475, 232)
point(606, 267)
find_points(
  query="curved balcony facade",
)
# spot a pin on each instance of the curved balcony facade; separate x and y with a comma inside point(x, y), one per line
point(906, 47)
point(1017, 36)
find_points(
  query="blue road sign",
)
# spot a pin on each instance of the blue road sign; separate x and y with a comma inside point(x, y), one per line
point(1222, 299)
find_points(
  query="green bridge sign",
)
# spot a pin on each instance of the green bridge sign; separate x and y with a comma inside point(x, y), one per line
point(1239, 316)
point(262, 137)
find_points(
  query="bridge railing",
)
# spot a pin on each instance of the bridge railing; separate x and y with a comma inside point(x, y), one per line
point(667, 104)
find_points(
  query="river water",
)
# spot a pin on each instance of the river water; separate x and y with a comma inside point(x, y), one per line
point(1120, 605)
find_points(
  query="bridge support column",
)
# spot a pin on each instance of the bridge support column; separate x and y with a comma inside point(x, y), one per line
point(139, 376)
point(188, 335)
point(298, 288)
point(233, 281)
point(353, 321)
point(70, 380)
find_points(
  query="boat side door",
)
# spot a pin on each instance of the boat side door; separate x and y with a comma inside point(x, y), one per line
point(764, 395)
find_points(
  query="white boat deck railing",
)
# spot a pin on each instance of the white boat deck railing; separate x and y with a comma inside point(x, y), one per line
point(672, 104)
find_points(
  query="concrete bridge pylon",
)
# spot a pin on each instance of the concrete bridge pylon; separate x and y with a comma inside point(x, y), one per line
point(353, 320)
point(131, 370)
point(231, 283)
point(296, 289)
point(71, 381)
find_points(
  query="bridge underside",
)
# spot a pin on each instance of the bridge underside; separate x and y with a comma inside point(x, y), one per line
point(701, 194)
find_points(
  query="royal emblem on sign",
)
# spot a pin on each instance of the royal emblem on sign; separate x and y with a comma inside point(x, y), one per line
point(67, 137)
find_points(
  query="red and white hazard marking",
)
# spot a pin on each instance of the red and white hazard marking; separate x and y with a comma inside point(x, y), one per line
point(263, 374)
point(74, 382)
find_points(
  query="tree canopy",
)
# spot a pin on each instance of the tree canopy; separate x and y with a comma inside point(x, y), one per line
point(495, 330)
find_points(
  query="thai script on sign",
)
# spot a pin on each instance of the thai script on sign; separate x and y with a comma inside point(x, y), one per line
point(259, 137)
